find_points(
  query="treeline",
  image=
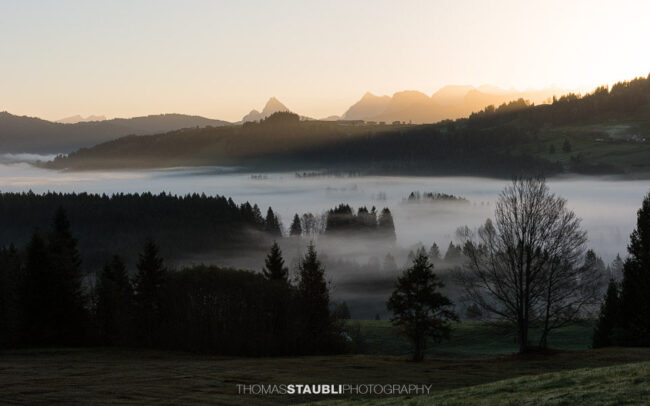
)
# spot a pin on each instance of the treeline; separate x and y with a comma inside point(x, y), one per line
point(121, 222)
point(289, 145)
point(417, 197)
point(450, 149)
point(342, 220)
point(624, 98)
point(44, 302)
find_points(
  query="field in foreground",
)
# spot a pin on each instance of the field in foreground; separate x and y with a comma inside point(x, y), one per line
point(627, 384)
point(138, 377)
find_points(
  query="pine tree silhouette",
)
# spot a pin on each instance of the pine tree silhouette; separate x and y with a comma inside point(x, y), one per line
point(275, 269)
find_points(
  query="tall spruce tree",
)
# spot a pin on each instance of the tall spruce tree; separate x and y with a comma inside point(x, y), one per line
point(296, 227)
point(272, 224)
point(386, 225)
point(604, 333)
point(419, 309)
point(434, 253)
point(635, 297)
point(275, 269)
point(315, 299)
point(148, 284)
point(114, 307)
point(54, 301)
point(65, 264)
point(453, 253)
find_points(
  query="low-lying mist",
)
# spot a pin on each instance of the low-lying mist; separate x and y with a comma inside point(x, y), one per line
point(355, 266)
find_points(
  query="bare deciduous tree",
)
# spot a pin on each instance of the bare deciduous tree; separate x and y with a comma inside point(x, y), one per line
point(526, 266)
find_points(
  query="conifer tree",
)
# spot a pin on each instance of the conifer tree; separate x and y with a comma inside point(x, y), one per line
point(148, 284)
point(314, 294)
point(65, 264)
point(419, 310)
point(434, 252)
point(275, 269)
point(272, 224)
point(114, 303)
point(385, 224)
point(296, 227)
point(453, 252)
point(608, 319)
point(635, 299)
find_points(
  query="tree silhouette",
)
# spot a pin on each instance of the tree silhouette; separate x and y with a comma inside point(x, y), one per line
point(65, 265)
point(608, 319)
point(526, 267)
point(385, 224)
point(453, 252)
point(296, 227)
point(419, 310)
point(147, 289)
point(635, 300)
point(272, 224)
point(275, 269)
point(114, 303)
point(434, 252)
point(314, 294)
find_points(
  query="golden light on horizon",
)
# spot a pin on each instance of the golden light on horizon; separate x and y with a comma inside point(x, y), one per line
point(222, 60)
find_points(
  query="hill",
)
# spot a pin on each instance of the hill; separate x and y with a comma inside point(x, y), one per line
point(20, 134)
point(603, 132)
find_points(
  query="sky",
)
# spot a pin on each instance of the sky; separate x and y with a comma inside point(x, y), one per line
point(220, 59)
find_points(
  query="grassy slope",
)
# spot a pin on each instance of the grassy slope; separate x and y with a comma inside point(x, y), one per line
point(627, 384)
point(135, 377)
point(602, 141)
point(142, 377)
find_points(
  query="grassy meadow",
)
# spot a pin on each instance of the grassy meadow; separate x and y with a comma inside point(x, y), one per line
point(627, 384)
point(477, 354)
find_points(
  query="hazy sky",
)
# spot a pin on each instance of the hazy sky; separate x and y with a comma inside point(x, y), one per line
point(220, 59)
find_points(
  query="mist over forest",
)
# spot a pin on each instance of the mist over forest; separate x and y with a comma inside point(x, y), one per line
point(361, 266)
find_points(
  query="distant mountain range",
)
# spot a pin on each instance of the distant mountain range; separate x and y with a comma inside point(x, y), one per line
point(80, 119)
point(603, 132)
point(450, 102)
point(22, 134)
point(273, 105)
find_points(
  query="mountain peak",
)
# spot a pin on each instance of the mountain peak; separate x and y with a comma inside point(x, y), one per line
point(368, 106)
point(273, 106)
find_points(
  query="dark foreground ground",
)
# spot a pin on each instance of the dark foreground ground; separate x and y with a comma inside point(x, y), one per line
point(477, 354)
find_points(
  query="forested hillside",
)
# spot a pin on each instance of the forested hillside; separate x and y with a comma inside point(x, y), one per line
point(606, 131)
